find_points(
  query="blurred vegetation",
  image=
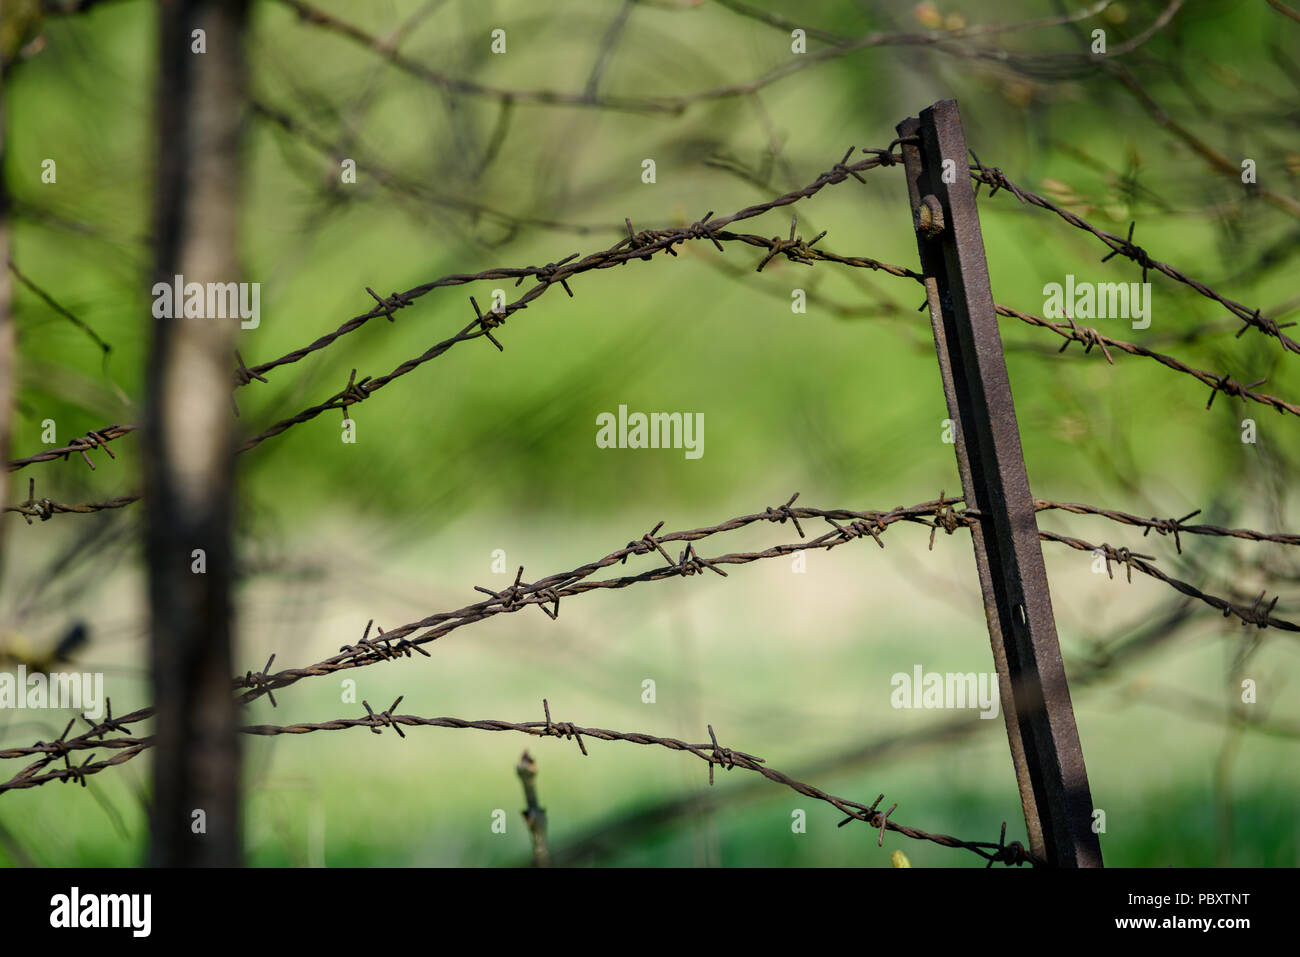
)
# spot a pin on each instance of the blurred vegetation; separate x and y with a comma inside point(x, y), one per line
point(480, 450)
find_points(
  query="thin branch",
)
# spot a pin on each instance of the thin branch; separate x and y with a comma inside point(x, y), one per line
point(945, 41)
point(1217, 160)
point(534, 813)
point(607, 45)
point(61, 310)
point(1284, 9)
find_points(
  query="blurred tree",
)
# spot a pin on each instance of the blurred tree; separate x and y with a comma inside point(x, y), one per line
point(189, 437)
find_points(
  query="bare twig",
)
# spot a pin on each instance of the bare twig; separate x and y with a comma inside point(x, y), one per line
point(534, 813)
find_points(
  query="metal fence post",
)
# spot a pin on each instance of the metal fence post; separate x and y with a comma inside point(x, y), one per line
point(1035, 697)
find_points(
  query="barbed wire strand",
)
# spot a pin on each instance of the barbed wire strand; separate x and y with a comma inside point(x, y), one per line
point(45, 508)
point(1169, 526)
point(1090, 337)
point(712, 753)
point(641, 246)
point(95, 439)
point(996, 180)
point(1257, 613)
point(937, 514)
point(637, 245)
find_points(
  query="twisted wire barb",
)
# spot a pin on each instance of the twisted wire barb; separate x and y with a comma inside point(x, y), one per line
point(1090, 338)
point(1257, 613)
point(636, 245)
point(95, 439)
point(1068, 330)
point(995, 179)
point(845, 526)
point(711, 753)
point(642, 246)
point(1169, 526)
point(45, 508)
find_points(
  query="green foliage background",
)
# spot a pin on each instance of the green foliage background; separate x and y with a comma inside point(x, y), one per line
point(481, 450)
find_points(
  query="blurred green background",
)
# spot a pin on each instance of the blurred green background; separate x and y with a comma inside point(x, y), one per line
point(479, 450)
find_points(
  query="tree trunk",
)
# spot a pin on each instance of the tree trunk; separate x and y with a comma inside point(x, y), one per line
point(189, 438)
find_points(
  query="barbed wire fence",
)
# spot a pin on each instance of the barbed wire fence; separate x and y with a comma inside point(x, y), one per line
point(642, 246)
point(843, 525)
point(547, 592)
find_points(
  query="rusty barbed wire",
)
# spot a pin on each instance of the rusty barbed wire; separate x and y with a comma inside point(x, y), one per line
point(637, 245)
point(642, 245)
point(1256, 613)
point(94, 439)
point(1090, 338)
point(795, 248)
point(386, 645)
point(711, 753)
point(846, 525)
point(1071, 331)
point(1169, 526)
point(1149, 634)
point(547, 592)
point(1068, 330)
point(995, 179)
point(45, 508)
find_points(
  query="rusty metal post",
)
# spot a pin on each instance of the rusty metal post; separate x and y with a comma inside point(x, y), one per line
point(1035, 697)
